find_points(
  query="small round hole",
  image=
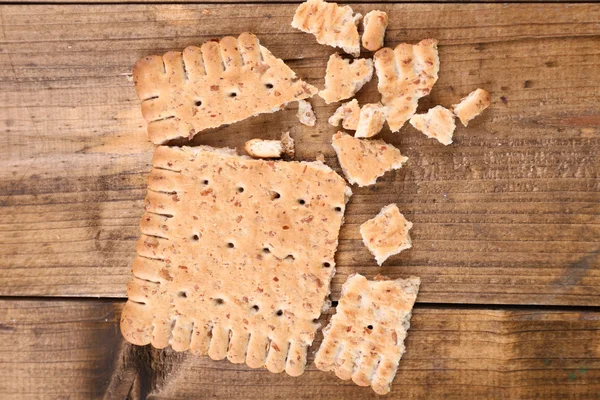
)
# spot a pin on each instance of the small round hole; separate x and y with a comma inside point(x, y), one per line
point(198, 103)
point(266, 250)
point(279, 313)
point(290, 257)
point(326, 264)
point(219, 302)
point(240, 189)
point(232, 94)
point(205, 182)
point(316, 320)
point(370, 327)
point(255, 308)
point(196, 237)
point(182, 295)
point(338, 209)
point(275, 195)
point(269, 86)
point(230, 245)
point(301, 202)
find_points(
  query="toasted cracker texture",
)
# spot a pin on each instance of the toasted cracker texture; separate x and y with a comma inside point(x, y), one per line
point(472, 105)
point(375, 24)
point(387, 233)
point(364, 340)
point(406, 74)
point(331, 24)
point(219, 83)
point(363, 161)
point(437, 123)
point(306, 115)
point(235, 257)
point(371, 120)
point(343, 78)
point(348, 114)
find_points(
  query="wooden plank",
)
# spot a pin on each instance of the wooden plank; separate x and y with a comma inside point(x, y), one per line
point(509, 214)
point(72, 349)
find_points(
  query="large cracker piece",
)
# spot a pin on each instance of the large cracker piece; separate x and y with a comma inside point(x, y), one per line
point(343, 78)
point(235, 257)
point(364, 340)
point(438, 123)
point(406, 74)
point(331, 24)
point(219, 83)
point(363, 160)
point(471, 106)
point(348, 114)
point(387, 233)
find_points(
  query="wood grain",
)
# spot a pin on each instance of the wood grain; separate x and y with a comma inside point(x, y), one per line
point(72, 349)
point(509, 214)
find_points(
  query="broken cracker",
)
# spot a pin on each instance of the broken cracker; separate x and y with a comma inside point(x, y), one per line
point(220, 83)
point(344, 78)
point(406, 74)
point(305, 114)
point(236, 256)
point(348, 114)
point(363, 161)
point(437, 123)
point(371, 120)
point(471, 106)
point(331, 24)
point(386, 234)
point(375, 24)
point(364, 340)
point(260, 148)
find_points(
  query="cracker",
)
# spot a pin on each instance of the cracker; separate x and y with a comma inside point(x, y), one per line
point(363, 161)
point(437, 123)
point(260, 148)
point(364, 340)
point(347, 114)
point(343, 79)
point(386, 234)
point(331, 24)
point(371, 120)
point(472, 105)
point(235, 257)
point(406, 74)
point(375, 24)
point(220, 83)
point(305, 114)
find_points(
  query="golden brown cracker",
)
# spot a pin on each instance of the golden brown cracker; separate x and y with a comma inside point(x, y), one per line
point(387, 233)
point(344, 78)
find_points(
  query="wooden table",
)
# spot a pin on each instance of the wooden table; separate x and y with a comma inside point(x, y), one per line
point(506, 221)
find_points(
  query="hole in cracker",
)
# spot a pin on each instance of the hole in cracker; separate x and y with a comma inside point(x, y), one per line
point(269, 85)
point(255, 308)
point(230, 245)
point(205, 181)
point(266, 250)
point(233, 94)
point(289, 257)
point(196, 237)
point(302, 202)
point(279, 313)
point(219, 302)
point(240, 189)
point(316, 321)
point(275, 196)
point(326, 264)
point(370, 327)
point(338, 209)
point(198, 103)
point(182, 294)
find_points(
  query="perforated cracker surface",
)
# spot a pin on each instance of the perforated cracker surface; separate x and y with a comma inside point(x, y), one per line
point(365, 338)
point(220, 83)
point(406, 74)
point(235, 257)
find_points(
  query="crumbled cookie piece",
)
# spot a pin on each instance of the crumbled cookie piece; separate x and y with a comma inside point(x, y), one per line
point(387, 233)
point(344, 78)
point(471, 106)
point(371, 120)
point(348, 114)
point(437, 123)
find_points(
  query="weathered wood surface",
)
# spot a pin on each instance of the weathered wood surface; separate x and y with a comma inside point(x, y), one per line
point(73, 350)
point(509, 214)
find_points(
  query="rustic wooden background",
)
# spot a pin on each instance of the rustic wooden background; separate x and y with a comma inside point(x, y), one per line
point(506, 221)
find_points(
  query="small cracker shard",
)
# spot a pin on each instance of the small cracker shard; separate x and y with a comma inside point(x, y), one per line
point(343, 79)
point(472, 105)
point(348, 114)
point(406, 74)
point(331, 24)
point(375, 24)
point(305, 114)
point(219, 83)
point(387, 233)
point(363, 161)
point(259, 148)
point(437, 123)
point(236, 256)
point(364, 340)
point(371, 120)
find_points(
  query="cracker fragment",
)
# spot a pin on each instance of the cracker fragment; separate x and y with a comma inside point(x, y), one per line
point(331, 24)
point(386, 234)
point(219, 83)
point(371, 120)
point(375, 24)
point(437, 123)
point(363, 161)
point(344, 78)
point(348, 114)
point(471, 106)
point(364, 340)
point(235, 257)
point(305, 114)
point(260, 148)
point(406, 74)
